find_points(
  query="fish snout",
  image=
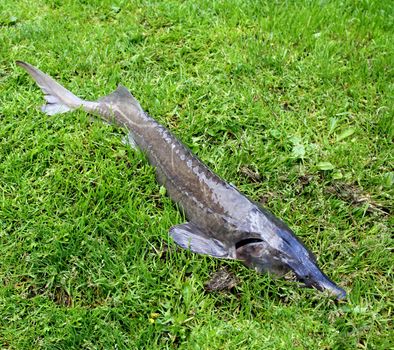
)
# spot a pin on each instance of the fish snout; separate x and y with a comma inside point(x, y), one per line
point(313, 277)
point(331, 288)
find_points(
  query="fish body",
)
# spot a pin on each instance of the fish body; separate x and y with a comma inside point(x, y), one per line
point(222, 222)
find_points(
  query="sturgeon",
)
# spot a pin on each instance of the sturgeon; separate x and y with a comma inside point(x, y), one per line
point(222, 222)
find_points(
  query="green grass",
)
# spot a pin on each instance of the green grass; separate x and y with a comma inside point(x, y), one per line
point(292, 101)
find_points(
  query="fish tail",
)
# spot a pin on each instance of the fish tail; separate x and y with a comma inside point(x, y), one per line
point(59, 99)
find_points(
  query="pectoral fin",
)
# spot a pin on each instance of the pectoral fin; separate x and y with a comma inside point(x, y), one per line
point(189, 236)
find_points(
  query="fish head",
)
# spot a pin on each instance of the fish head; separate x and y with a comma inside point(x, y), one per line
point(272, 247)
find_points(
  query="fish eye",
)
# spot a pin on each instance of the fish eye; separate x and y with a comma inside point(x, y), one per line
point(305, 278)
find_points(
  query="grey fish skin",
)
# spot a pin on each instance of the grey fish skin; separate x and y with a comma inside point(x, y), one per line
point(222, 222)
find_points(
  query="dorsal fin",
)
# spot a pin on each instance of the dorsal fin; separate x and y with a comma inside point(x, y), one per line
point(121, 94)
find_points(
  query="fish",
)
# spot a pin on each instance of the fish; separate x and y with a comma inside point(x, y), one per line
point(221, 221)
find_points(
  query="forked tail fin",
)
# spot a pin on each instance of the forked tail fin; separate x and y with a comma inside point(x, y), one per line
point(59, 99)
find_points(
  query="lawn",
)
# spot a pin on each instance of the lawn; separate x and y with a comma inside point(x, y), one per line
point(291, 101)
